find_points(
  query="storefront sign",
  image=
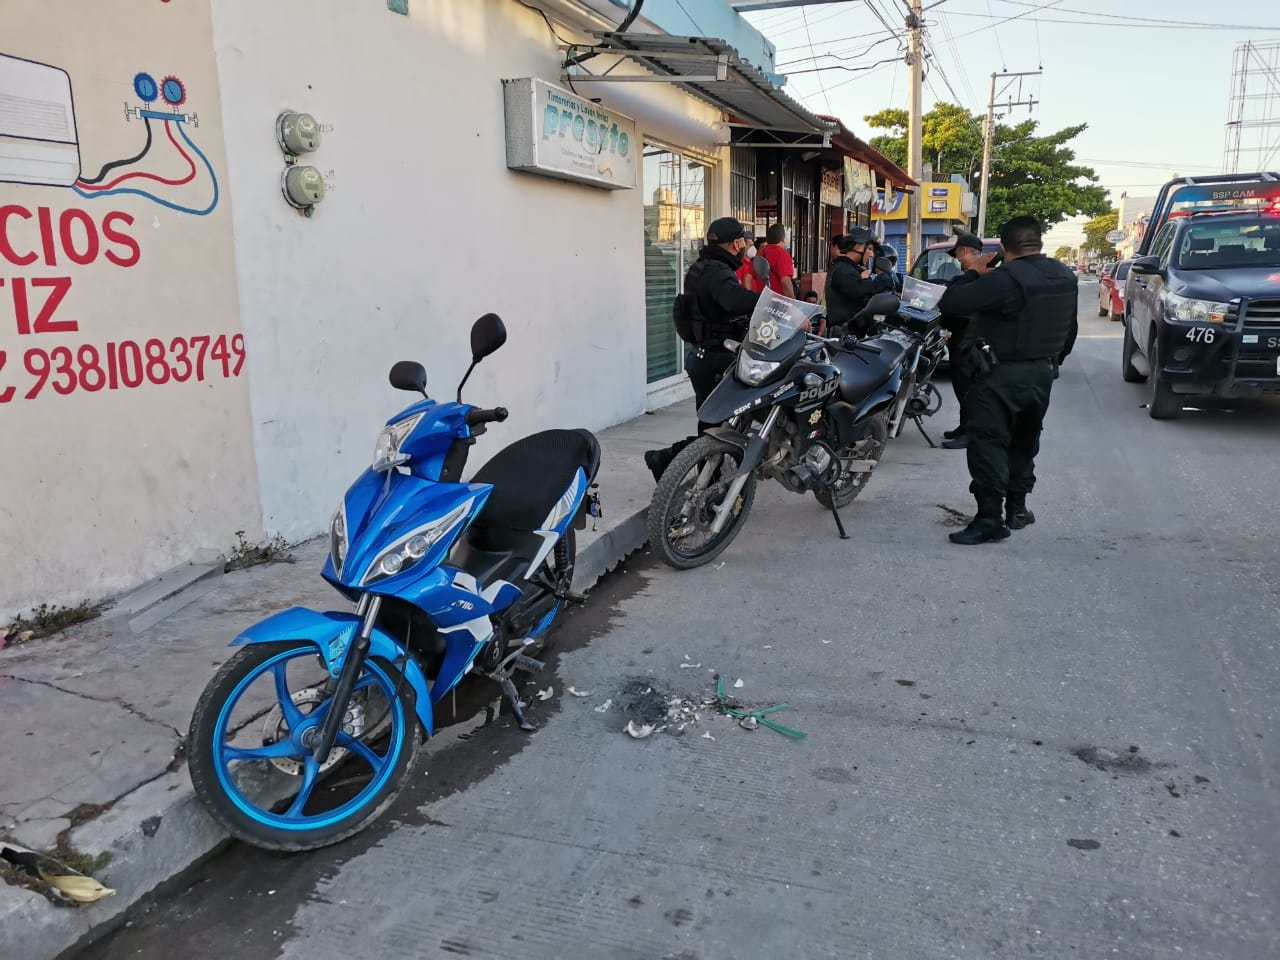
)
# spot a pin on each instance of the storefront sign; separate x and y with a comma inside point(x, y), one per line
point(941, 201)
point(555, 133)
point(830, 193)
point(859, 186)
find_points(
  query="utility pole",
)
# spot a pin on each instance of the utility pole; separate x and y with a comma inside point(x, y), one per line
point(988, 134)
point(915, 146)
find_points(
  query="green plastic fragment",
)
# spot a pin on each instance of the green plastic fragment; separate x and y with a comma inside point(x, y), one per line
point(760, 715)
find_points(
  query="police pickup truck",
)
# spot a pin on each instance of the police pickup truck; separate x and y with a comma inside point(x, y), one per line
point(1202, 299)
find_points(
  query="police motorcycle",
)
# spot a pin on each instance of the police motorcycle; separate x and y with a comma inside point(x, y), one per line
point(308, 732)
point(814, 413)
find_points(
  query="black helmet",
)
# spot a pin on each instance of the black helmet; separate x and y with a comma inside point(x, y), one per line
point(857, 237)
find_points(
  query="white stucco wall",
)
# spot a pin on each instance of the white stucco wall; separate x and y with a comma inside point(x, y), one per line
point(423, 230)
point(111, 475)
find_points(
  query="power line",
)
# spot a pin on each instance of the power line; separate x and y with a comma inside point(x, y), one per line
point(999, 47)
point(1145, 25)
point(821, 86)
point(1144, 21)
point(835, 56)
point(992, 26)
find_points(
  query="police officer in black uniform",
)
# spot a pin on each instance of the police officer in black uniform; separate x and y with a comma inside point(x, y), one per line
point(1023, 325)
point(854, 279)
point(966, 251)
point(721, 306)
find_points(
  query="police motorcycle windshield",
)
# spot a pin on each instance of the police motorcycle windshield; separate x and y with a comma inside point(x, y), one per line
point(776, 338)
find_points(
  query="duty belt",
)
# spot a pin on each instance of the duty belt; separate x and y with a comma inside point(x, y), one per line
point(704, 353)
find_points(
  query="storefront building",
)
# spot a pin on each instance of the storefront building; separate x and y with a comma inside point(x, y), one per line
point(946, 210)
point(186, 353)
point(817, 184)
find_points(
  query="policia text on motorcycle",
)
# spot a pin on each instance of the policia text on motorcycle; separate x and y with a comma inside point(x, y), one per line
point(713, 307)
point(1023, 324)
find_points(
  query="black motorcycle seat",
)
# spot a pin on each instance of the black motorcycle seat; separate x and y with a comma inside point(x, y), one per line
point(861, 371)
point(530, 475)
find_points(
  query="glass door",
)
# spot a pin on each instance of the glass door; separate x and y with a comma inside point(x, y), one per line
point(674, 227)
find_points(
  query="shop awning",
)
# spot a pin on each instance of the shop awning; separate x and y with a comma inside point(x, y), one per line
point(844, 141)
point(709, 69)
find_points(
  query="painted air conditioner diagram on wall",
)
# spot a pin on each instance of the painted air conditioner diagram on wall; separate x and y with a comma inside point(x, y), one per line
point(39, 144)
point(37, 124)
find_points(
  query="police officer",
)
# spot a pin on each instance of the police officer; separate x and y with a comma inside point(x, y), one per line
point(852, 282)
point(1023, 325)
point(722, 306)
point(967, 250)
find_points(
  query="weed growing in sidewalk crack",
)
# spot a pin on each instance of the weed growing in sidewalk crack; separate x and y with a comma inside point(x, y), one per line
point(48, 619)
point(245, 554)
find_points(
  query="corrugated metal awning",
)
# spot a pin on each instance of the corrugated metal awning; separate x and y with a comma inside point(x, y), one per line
point(709, 69)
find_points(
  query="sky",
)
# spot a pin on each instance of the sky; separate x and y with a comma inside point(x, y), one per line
point(1151, 78)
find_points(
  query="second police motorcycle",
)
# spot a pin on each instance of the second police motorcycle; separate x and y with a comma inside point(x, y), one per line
point(813, 413)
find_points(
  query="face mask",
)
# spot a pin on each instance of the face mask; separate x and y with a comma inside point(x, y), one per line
point(751, 252)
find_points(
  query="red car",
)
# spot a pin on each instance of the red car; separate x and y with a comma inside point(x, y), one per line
point(1111, 289)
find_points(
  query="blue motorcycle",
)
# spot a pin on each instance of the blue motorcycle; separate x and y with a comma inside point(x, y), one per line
point(309, 731)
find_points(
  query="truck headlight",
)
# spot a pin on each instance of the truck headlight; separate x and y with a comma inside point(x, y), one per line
point(753, 372)
point(386, 452)
point(1190, 310)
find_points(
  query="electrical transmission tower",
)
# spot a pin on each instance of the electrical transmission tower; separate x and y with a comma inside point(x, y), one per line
point(1253, 114)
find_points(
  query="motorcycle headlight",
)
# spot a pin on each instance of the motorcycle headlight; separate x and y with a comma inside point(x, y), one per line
point(338, 537)
point(1190, 310)
point(753, 372)
point(415, 545)
point(386, 452)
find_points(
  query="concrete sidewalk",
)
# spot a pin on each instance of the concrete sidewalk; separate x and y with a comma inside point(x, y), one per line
point(93, 720)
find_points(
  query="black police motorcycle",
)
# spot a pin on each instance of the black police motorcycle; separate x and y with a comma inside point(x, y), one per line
point(814, 413)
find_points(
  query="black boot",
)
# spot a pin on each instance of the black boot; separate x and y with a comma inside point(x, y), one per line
point(658, 460)
point(958, 439)
point(982, 529)
point(952, 434)
point(1016, 514)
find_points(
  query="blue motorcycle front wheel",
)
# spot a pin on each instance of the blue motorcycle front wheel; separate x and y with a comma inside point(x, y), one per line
point(250, 765)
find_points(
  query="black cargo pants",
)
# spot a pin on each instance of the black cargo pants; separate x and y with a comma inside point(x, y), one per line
point(961, 374)
point(705, 368)
point(1005, 413)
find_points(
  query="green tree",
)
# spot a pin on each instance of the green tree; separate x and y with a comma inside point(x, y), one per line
point(1095, 234)
point(1062, 253)
point(1031, 174)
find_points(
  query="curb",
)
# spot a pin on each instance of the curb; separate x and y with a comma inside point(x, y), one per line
point(159, 830)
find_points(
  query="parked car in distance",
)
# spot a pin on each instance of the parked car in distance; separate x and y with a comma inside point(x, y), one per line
point(1111, 289)
point(936, 265)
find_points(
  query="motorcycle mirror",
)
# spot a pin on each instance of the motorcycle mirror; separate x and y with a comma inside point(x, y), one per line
point(883, 303)
point(488, 334)
point(408, 375)
point(760, 266)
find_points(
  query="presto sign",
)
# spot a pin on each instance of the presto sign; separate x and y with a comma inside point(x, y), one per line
point(554, 133)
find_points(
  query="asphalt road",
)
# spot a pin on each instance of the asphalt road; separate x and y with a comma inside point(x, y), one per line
point(1064, 745)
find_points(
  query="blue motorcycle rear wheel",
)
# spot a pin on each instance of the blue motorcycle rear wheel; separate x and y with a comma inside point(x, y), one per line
point(273, 794)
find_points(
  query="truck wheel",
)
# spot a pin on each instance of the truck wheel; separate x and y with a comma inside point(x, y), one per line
point(1164, 404)
point(1127, 369)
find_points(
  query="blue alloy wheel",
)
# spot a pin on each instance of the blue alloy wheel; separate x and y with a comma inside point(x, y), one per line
point(249, 763)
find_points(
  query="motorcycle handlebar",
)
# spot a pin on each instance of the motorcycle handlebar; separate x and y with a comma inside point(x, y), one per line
point(478, 415)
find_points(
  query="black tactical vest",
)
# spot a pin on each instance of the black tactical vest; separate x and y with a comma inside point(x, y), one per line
point(718, 325)
point(1041, 327)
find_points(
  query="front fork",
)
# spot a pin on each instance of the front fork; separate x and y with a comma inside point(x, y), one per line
point(904, 395)
point(368, 608)
point(757, 445)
